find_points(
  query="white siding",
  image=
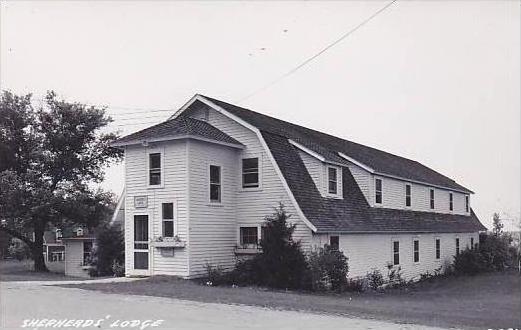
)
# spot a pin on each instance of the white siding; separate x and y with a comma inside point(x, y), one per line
point(318, 172)
point(212, 225)
point(394, 197)
point(370, 251)
point(254, 204)
point(74, 259)
point(175, 171)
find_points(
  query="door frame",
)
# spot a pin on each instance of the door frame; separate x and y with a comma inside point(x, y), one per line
point(144, 272)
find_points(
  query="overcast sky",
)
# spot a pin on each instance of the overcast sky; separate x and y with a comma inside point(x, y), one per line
point(438, 82)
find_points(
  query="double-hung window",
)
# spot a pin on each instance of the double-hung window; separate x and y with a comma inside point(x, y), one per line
point(334, 243)
point(215, 184)
point(250, 172)
point(407, 195)
point(416, 250)
point(154, 169)
point(451, 202)
point(396, 253)
point(438, 248)
point(332, 179)
point(168, 219)
point(378, 191)
point(248, 236)
point(431, 192)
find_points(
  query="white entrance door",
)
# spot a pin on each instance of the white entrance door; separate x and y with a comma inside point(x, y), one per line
point(141, 253)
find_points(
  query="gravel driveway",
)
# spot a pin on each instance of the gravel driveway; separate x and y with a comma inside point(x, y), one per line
point(26, 302)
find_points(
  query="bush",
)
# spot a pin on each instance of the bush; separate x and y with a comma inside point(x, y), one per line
point(394, 274)
point(470, 262)
point(215, 275)
point(328, 269)
point(356, 285)
point(375, 279)
point(494, 253)
point(282, 263)
point(108, 257)
point(19, 251)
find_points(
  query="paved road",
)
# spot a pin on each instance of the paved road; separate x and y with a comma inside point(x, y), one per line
point(24, 302)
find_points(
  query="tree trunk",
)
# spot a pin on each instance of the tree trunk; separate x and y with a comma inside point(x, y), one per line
point(37, 250)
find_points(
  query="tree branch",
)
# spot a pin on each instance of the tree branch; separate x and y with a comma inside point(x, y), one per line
point(17, 235)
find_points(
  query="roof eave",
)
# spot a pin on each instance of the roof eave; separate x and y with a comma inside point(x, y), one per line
point(175, 137)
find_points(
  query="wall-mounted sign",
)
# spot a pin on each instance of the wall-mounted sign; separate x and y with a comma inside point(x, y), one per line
point(140, 202)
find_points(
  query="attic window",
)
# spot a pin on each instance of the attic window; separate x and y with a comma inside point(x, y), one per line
point(378, 191)
point(332, 179)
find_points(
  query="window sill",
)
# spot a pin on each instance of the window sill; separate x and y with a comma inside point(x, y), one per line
point(215, 204)
point(250, 189)
point(155, 187)
point(247, 251)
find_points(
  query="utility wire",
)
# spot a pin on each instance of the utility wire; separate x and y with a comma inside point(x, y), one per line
point(331, 45)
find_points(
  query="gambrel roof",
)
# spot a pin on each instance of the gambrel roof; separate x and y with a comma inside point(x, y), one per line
point(352, 213)
point(179, 127)
point(330, 146)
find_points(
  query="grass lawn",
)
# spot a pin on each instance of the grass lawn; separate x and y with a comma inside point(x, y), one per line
point(13, 270)
point(482, 302)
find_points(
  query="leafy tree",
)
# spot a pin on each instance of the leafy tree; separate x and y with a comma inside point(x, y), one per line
point(498, 224)
point(48, 158)
point(110, 250)
point(282, 263)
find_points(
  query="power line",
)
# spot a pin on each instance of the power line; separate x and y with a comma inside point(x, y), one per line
point(331, 45)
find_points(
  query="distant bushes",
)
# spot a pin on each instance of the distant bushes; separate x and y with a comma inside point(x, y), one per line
point(494, 253)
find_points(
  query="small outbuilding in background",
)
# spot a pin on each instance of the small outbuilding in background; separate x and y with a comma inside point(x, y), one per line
point(79, 246)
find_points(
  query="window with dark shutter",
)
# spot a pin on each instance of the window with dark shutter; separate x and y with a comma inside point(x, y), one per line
point(432, 198)
point(451, 202)
point(438, 248)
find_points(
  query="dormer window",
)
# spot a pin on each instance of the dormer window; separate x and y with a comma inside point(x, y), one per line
point(378, 191)
point(332, 179)
point(408, 195)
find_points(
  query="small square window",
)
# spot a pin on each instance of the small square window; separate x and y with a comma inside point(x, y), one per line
point(334, 242)
point(248, 236)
